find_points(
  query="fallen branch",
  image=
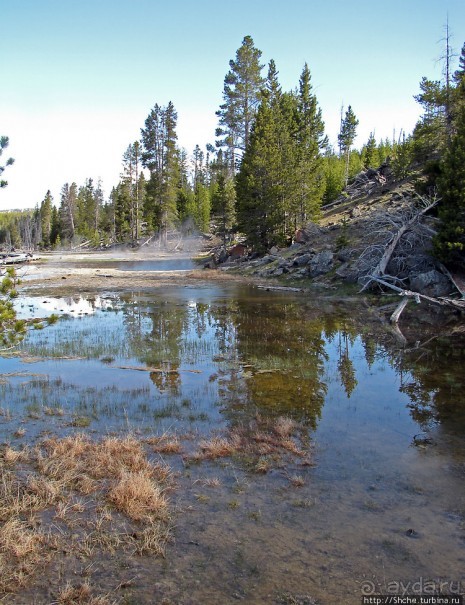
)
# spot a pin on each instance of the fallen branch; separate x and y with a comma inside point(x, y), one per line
point(455, 279)
point(149, 240)
point(395, 316)
point(380, 268)
point(443, 301)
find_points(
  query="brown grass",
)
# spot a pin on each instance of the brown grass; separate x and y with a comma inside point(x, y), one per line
point(217, 447)
point(113, 473)
point(22, 548)
point(139, 497)
point(165, 444)
point(12, 456)
point(81, 595)
point(260, 440)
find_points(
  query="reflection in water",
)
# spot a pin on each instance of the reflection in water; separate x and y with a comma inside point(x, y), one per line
point(217, 358)
point(265, 353)
point(431, 380)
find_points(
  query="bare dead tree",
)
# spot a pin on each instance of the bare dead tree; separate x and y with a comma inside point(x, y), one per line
point(393, 237)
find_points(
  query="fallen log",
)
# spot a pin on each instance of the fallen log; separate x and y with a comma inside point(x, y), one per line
point(458, 305)
point(280, 288)
point(395, 316)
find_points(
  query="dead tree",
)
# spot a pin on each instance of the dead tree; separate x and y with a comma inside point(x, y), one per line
point(458, 305)
point(394, 236)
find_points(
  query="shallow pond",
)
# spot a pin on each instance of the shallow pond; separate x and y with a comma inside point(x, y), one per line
point(383, 498)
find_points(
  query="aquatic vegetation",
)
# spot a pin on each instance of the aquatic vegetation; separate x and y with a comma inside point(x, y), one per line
point(259, 444)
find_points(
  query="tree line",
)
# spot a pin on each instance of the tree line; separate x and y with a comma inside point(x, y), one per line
point(270, 170)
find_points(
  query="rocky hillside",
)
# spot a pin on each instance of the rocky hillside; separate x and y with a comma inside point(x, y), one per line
point(352, 239)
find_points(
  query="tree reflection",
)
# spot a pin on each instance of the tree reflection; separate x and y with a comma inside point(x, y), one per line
point(345, 365)
point(433, 379)
point(268, 355)
point(283, 357)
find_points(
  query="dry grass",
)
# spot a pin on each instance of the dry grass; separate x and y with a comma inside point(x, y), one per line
point(139, 497)
point(297, 480)
point(165, 444)
point(12, 456)
point(217, 447)
point(22, 549)
point(261, 440)
point(113, 473)
point(81, 595)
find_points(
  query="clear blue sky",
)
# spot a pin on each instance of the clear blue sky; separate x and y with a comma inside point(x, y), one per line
point(78, 77)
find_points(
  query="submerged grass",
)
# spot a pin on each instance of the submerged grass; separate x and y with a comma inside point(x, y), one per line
point(260, 443)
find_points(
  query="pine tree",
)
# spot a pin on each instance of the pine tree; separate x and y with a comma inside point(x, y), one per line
point(4, 142)
point(223, 201)
point(346, 136)
point(310, 142)
point(334, 167)
point(161, 156)
point(68, 208)
point(46, 218)
point(460, 72)
point(87, 208)
point(449, 244)
point(370, 157)
point(122, 201)
point(241, 94)
point(131, 175)
point(430, 132)
point(260, 213)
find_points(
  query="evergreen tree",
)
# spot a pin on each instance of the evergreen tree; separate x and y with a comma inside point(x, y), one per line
point(224, 203)
point(131, 175)
point(260, 213)
point(346, 136)
point(334, 167)
point(55, 227)
point(4, 142)
point(460, 72)
point(68, 208)
point(370, 157)
point(449, 243)
point(402, 158)
point(87, 208)
point(161, 156)
point(310, 142)
point(430, 133)
point(241, 95)
point(46, 219)
point(122, 201)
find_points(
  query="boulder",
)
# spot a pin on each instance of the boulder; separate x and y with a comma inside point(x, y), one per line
point(222, 256)
point(321, 263)
point(302, 260)
point(344, 254)
point(237, 251)
point(300, 237)
point(430, 283)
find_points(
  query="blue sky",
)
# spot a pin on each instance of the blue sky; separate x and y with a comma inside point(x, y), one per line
point(78, 77)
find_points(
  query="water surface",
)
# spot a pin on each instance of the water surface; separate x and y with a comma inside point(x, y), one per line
point(383, 500)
